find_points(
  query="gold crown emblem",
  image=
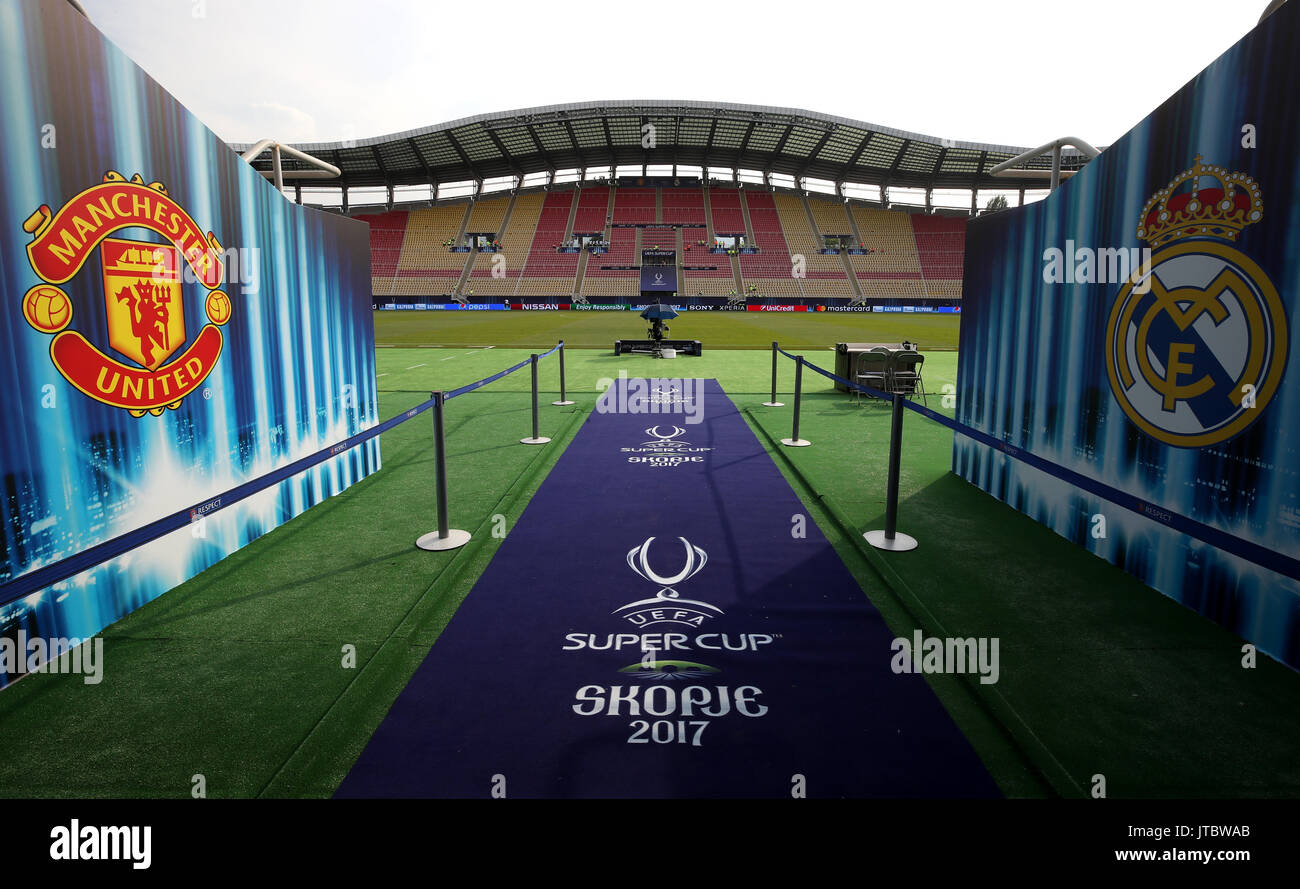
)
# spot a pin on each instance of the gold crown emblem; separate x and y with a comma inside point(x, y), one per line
point(1219, 212)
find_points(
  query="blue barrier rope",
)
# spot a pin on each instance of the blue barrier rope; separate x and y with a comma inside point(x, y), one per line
point(492, 379)
point(1230, 543)
point(73, 565)
point(875, 393)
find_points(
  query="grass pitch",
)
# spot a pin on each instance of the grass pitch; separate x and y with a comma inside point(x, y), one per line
point(716, 330)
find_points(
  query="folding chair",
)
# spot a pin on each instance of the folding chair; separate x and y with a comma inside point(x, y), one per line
point(905, 375)
point(872, 370)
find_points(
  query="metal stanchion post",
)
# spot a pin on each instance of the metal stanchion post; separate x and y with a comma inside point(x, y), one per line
point(537, 438)
point(773, 402)
point(794, 441)
point(444, 537)
point(563, 398)
point(890, 538)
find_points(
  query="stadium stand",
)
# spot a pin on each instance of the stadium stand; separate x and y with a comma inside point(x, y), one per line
point(514, 240)
point(893, 270)
point(634, 205)
point(769, 270)
point(914, 256)
point(600, 281)
point(941, 249)
point(386, 233)
point(683, 206)
point(426, 267)
point(659, 237)
point(593, 212)
point(547, 272)
point(487, 215)
point(824, 273)
point(727, 216)
point(829, 216)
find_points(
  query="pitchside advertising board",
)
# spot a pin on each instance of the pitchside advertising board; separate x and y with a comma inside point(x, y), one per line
point(173, 327)
point(442, 307)
point(1137, 327)
point(624, 307)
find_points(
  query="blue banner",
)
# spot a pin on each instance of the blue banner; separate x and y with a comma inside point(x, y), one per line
point(1135, 329)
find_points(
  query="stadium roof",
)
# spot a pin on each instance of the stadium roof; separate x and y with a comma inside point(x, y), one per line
point(598, 134)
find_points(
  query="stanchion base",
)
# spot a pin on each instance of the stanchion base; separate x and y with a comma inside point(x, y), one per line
point(542, 440)
point(774, 404)
point(562, 403)
point(795, 443)
point(454, 540)
point(900, 543)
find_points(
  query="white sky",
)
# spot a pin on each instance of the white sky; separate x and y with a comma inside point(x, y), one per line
point(1012, 72)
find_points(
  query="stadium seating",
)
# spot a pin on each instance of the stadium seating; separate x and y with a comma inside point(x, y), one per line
point(709, 283)
point(608, 282)
point(515, 241)
point(727, 216)
point(683, 205)
point(593, 211)
point(771, 269)
point(386, 233)
point(829, 215)
point(823, 273)
point(634, 205)
point(915, 256)
point(548, 273)
point(941, 249)
point(426, 266)
point(894, 269)
point(487, 215)
point(662, 237)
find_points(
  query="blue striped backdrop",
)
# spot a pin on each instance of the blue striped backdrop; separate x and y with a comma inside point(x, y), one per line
point(297, 372)
point(1032, 366)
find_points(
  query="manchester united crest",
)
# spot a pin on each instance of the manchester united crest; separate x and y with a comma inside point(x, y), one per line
point(1196, 343)
point(144, 294)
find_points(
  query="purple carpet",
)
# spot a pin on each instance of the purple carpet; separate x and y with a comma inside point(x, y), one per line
point(654, 626)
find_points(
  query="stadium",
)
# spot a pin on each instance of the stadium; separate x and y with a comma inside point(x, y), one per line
point(370, 468)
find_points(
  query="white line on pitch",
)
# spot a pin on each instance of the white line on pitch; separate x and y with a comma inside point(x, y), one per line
point(383, 375)
point(414, 366)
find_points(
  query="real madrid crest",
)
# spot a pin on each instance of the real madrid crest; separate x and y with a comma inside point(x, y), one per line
point(1196, 344)
point(143, 294)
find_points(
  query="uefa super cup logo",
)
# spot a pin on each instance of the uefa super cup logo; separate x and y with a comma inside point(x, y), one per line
point(1197, 342)
point(667, 605)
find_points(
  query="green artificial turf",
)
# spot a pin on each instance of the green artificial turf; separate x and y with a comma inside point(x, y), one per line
point(717, 330)
point(237, 674)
